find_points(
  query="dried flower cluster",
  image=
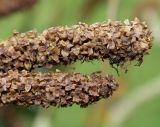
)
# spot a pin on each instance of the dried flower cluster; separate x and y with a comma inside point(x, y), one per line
point(56, 89)
point(9, 6)
point(23, 52)
point(118, 42)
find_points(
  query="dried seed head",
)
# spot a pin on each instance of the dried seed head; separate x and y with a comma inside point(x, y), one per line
point(118, 42)
point(54, 89)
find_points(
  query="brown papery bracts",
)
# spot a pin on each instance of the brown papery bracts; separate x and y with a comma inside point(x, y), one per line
point(118, 42)
point(54, 89)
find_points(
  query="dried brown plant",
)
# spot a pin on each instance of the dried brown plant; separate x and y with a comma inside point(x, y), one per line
point(56, 89)
point(118, 42)
point(23, 52)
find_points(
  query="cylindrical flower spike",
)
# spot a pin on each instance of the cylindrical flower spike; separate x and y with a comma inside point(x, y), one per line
point(54, 89)
point(118, 42)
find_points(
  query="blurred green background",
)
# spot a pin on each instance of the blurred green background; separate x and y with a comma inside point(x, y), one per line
point(137, 101)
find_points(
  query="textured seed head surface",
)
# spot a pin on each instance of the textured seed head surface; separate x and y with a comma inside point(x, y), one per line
point(54, 89)
point(113, 40)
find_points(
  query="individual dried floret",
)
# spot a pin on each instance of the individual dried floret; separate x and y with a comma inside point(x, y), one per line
point(9, 6)
point(118, 42)
point(54, 89)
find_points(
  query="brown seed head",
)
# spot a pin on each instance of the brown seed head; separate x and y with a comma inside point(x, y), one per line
point(54, 89)
point(118, 42)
